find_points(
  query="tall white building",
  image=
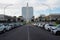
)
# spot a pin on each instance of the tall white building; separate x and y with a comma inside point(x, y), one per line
point(27, 13)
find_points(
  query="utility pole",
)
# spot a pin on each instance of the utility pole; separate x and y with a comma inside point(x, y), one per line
point(5, 9)
point(27, 18)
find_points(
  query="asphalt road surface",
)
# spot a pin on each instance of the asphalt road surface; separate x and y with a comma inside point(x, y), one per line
point(28, 32)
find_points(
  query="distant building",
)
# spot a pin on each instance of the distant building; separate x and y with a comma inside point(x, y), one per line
point(20, 18)
point(6, 18)
point(53, 17)
point(27, 13)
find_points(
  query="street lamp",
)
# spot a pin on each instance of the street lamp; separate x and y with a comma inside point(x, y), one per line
point(6, 7)
point(48, 7)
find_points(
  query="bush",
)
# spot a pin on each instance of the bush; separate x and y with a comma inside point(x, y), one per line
point(58, 22)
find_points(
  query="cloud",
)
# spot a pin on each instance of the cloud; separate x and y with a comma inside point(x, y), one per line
point(36, 4)
point(8, 1)
point(53, 3)
point(41, 7)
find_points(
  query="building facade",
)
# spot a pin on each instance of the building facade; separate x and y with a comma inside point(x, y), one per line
point(54, 17)
point(6, 18)
point(27, 13)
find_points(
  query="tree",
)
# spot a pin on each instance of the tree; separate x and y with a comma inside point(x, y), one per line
point(20, 18)
point(14, 19)
point(33, 18)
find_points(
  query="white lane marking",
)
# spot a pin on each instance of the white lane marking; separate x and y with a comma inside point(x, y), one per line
point(28, 33)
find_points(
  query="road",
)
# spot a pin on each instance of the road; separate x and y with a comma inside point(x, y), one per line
point(28, 32)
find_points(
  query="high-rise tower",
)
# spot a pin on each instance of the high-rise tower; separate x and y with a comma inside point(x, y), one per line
point(27, 13)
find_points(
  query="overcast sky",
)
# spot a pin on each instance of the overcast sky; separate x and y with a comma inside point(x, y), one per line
point(40, 7)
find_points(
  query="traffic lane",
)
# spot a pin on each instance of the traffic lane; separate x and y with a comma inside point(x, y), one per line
point(41, 34)
point(19, 33)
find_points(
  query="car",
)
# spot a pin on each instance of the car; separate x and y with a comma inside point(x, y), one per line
point(2, 28)
point(7, 27)
point(12, 25)
point(41, 25)
point(55, 30)
point(48, 26)
point(34, 24)
point(16, 25)
point(20, 24)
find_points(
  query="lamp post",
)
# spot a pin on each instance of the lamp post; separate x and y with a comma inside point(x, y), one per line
point(5, 9)
point(27, 19)
point(48, 7)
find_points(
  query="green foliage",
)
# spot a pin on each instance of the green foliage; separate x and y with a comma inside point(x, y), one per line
point(58, 22)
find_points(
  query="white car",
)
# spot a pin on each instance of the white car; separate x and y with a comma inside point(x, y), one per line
point(16, 25)
point(56, 29)
point(2, 28)
point(7, 27)
point(20, 24)
point(40, 25)
point(35, 24)
point(12, 25)
point(48, 26)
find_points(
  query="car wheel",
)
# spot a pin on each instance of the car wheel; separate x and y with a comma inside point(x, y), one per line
point(0, 32)
point(4, 30)
point(53, 33)
point(48, 29)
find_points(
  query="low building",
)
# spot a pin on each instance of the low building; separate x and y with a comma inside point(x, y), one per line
point(5, 18)
point(53, 17)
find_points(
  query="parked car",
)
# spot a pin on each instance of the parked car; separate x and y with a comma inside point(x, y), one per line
point(2, 28)
point(40, 25)
point(56, 29)
point(34, 24)
point(12, 25)
point(48, 26)
point(16, 25)
point(7, 26)
point(20, 24)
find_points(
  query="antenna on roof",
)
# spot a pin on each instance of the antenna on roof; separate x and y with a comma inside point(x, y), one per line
point(27, 4)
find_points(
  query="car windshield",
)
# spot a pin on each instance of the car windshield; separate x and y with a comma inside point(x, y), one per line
point(0, 25)
point(5, 24)
point(51, 25)
point(58, 26)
